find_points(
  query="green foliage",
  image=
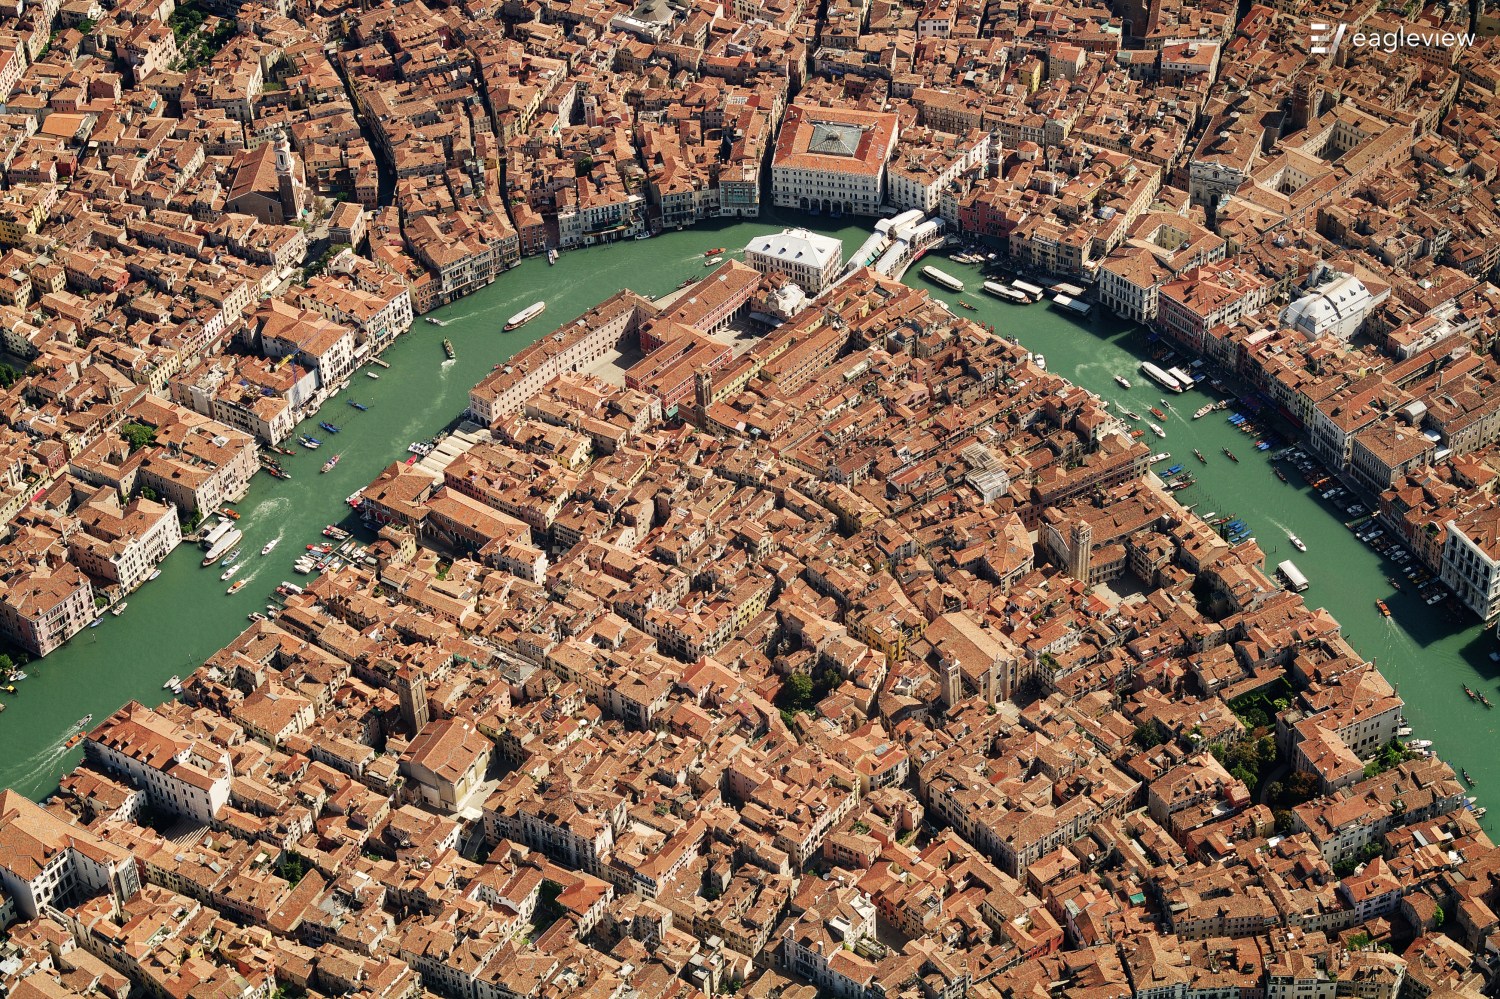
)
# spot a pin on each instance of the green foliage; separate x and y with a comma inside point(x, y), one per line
point(8, 375)
point(293, 867)
point(1297, 787)
point(797, 692)
point(583, 165)
point(1344, 868)
point(138, 434)
point(1149, 734)
point(148, 493)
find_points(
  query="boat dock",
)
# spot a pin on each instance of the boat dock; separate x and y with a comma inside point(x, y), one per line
point(1073, 304)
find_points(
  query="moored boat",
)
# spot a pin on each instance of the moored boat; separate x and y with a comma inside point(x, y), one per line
point(1008, 294)
point(222, 545)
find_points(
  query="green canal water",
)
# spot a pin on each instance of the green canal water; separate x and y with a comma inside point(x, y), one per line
point(175, 622)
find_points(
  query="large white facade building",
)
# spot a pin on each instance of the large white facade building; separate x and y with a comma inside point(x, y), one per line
point(44, 860)
point(182, 775)
point(1337, 307)
point(811, 260)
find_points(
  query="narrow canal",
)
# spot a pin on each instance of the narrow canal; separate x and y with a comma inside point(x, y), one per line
point(175, 622)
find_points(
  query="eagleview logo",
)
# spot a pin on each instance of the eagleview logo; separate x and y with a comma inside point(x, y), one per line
point(1326, 39)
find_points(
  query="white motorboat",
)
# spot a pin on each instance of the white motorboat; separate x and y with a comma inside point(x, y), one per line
point(525, 316)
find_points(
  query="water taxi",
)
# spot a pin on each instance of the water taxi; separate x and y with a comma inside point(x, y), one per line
point(257, 616)
point(1386, 612)
point(1297, 542)
point(448, 348)
point(943, 278)
point(270, 546)
point(239, 584)
point(712, 261)
point(551, 255)
point(84, 722)
point(329, 427)
point(525, 316)
point(1040, 360)
point(303, 565)
point(1122, 381)
point(230, 513)
point(714, 252)
point(434, 320)
point(74, 740)
point(328, 465)
point(1158, 431)
point(229, 572)
point(1158, 413)
point(1130, 413)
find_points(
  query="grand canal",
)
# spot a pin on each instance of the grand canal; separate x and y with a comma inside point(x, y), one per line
point(173, 623)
